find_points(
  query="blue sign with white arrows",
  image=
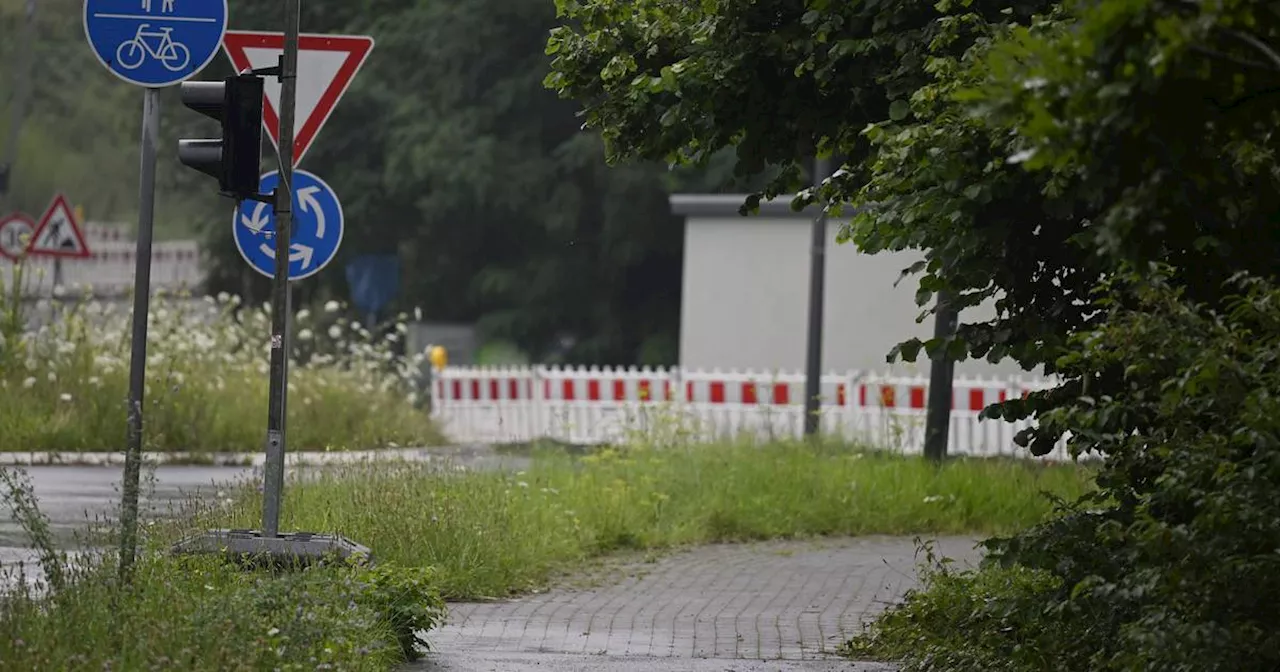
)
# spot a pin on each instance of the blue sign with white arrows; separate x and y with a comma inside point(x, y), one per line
point(155, 43)
point(317, 227)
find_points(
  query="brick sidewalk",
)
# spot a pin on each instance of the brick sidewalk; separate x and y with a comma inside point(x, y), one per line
point(780, 601)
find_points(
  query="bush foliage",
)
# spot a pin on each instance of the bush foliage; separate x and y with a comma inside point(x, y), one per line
point(1174, 562)
point(64, 369)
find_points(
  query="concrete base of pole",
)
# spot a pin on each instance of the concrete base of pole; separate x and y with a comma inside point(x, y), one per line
point(293, 549)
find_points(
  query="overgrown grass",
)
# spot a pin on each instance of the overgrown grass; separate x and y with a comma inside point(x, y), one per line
point(63, 387)
point(203, 613)
point(492, 534)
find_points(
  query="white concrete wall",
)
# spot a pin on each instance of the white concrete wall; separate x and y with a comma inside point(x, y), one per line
point(745, 299)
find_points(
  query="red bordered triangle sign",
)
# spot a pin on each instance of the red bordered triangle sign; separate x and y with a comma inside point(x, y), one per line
point(58, 233)
point(326, 66)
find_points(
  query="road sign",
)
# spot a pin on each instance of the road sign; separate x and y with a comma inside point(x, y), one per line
point(317, 227)
point(155, 43)
point(58, 233)
point(15, 235)
point(326, 66)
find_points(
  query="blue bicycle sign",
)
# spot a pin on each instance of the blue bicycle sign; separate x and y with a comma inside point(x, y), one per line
point(155, 43)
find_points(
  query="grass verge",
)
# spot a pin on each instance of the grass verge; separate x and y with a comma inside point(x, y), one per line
point(491, 534)
point(203, 613)
point(445, 531)
point(63, 385)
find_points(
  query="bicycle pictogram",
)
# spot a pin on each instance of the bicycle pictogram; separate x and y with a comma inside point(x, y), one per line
point(172, 55)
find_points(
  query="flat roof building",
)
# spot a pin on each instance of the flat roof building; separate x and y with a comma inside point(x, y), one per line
point(744, 301)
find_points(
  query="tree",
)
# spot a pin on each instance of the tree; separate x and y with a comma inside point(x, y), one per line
point(875, 81)
point(448, 152)
point(964, 123)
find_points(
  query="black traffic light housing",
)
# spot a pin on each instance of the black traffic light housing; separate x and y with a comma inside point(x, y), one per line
point(234, 158)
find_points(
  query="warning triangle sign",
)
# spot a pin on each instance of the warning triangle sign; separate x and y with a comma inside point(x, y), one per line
point(58, 233)
point(326, 66)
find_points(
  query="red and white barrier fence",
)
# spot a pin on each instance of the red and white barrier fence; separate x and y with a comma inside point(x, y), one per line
point(590, 405)
point(110, 267)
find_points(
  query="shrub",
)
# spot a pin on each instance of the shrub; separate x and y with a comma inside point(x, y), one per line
point(63, 386)
point(1174, 562)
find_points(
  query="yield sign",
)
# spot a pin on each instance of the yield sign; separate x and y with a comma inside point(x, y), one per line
point(326, 66)
point(58, 233)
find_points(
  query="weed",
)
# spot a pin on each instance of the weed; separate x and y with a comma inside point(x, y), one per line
point(201, 613)
point(63, 385)
point(492, 534)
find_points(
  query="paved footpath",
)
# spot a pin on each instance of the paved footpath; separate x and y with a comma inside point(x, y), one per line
point(783, 606)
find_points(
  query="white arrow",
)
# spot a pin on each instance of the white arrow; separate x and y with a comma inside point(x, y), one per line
point(297, 252)
point(259, 219)
point(308, 196)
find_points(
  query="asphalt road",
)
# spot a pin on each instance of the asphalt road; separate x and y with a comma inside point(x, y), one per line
point(72, 497)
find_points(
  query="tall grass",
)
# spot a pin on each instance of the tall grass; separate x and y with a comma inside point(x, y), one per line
point(64, 385)
point(491, 534)
point(202, 613)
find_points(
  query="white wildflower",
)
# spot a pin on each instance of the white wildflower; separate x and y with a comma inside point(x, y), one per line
point(64, 397)
point(29, 382)
point(331, 307)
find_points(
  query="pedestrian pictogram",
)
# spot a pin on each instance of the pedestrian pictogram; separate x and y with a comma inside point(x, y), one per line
point(326, 66)
point(58, 233)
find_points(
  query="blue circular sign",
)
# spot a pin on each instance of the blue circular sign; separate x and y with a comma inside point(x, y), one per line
point(318, 226)
point(155, 43)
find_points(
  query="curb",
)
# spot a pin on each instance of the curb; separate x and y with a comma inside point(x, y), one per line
point(298, 459)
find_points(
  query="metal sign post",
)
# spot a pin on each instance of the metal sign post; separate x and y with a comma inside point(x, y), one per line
point(138, 352)
point(151, 46)
point(817, 277)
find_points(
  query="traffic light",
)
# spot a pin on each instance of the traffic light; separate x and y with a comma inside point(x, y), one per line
point(233, 159)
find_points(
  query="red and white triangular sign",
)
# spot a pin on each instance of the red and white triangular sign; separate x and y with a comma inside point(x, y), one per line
point(58, 233)
point(326, 66)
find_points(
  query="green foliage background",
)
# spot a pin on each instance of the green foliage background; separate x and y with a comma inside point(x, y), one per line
point(447, 151)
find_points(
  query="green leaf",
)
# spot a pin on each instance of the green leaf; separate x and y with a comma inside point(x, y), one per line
point(899, 109)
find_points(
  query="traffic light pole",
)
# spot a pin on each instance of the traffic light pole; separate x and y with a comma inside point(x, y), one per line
point(281, 310)
point(138, 354)
point(234, 160)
